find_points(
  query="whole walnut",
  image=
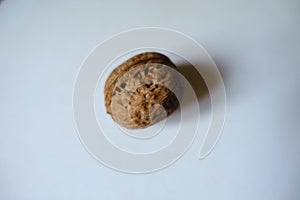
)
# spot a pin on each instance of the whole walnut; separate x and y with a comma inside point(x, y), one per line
point(141, 91)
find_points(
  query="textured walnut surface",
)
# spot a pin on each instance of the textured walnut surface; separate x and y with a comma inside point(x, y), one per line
point(140, 92)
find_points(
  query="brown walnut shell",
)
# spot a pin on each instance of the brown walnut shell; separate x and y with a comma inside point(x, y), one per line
point(141, 91)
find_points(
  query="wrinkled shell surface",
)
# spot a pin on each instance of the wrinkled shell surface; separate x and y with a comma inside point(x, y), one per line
point(141, 91)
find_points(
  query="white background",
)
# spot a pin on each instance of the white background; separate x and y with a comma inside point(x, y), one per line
point(256, 45)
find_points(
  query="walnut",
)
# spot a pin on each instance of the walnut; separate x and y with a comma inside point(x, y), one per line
point(141, 91)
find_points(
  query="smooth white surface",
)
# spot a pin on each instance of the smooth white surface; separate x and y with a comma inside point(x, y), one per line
point(256, 46)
